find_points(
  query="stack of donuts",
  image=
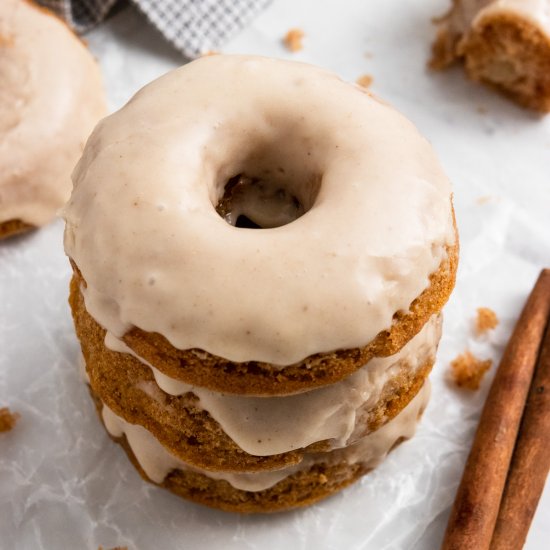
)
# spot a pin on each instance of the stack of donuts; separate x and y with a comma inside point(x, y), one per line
point(261, 252)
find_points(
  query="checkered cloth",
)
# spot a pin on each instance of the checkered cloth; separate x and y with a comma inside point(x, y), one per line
point(194, 27)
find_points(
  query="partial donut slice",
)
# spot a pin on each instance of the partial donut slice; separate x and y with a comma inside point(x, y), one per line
point(51, 97)
point(503, 43)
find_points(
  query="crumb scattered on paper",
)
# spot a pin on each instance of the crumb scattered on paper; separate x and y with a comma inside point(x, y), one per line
point(365, 80)
point(210, 52)
point(115, 548)
point(7, 419)
point(6, 40)
point(368, 55)
point(437, 19)
point(486, 320)
point(467, 371)
point(293, 40)
point(484, 199)
point(442, 55)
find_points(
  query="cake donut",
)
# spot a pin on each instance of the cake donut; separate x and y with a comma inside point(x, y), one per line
point(261, 252)
point(51, 97)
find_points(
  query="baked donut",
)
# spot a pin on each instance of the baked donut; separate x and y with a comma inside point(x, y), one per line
point(260, 253)
point(51, 96)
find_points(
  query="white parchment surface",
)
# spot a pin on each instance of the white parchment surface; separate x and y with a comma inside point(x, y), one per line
point(65, 485)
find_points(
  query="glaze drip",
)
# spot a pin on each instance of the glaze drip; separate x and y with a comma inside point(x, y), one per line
point(265, 426)
point(157, 462)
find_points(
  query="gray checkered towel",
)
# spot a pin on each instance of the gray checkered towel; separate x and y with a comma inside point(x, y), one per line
point(192, 26)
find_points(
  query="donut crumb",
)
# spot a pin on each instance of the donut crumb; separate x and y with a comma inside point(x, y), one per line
point(365, 80)
point(293, 40)
point(6, 40)
point(467, 371)
point(484, 199)
point(486, 320)
point(100, 547)
point(7, 419)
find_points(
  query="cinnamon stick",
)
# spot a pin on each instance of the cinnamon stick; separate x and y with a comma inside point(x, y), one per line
point(530, 461)
point(477, 502)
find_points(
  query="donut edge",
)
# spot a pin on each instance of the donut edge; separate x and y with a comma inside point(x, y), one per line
point(11, 228)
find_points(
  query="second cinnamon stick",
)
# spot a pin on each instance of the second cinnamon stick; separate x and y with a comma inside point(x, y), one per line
point(475, 510)
point(530, 462)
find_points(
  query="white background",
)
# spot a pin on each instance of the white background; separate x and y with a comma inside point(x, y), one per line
point(63, 484)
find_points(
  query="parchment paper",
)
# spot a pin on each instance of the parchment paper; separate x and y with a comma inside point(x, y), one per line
point(64, 484)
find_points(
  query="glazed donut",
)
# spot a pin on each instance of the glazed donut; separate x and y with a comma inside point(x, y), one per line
point(50, 99)
point(281, 309)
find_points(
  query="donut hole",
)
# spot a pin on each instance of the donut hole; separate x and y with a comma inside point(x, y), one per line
point(261, 203)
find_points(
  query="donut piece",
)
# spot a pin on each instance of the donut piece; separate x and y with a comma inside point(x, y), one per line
point(51, 96)
point(283, 308)
point(503, 43)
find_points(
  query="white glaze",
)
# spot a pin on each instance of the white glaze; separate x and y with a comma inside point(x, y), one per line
point(265, 426)
point(157, 462)
point(50, 99)
point(142, 227)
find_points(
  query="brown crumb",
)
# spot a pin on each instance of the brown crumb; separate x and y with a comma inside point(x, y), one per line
point(437, 19)
point(115, 548)
point(368, 55)
point(481, 110)
point(486, 320)
point(483, 199)
point(443, 52)
point(7, 419)
point(293, 40)
point(6, 40)
point(209, 53)
point(468, 371)
point(365, 80)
